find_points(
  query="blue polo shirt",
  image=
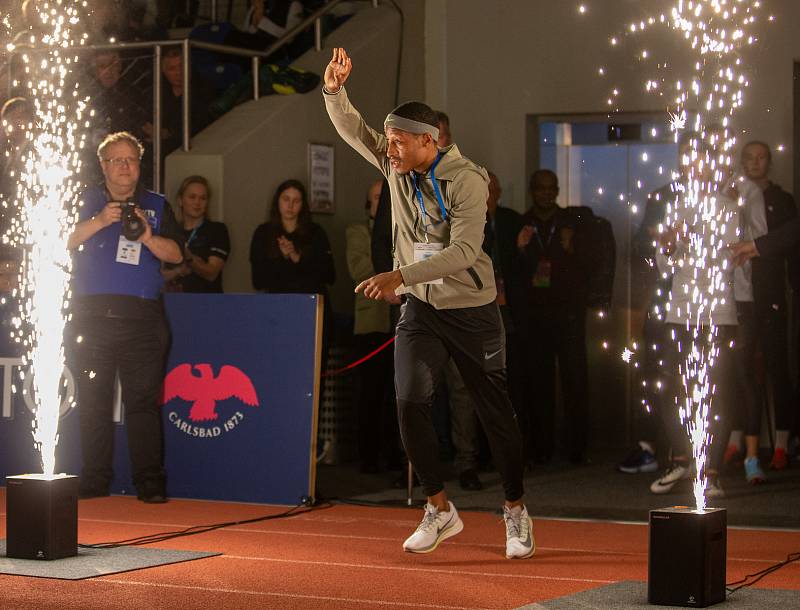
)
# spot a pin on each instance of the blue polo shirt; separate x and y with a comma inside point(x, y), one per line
point(96, 268)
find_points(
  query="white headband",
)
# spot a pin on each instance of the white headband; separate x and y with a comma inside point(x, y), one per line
point(410, 125)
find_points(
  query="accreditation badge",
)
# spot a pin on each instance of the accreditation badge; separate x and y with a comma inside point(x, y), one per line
point(423, 251)
point(541, 278)
point(128, 252)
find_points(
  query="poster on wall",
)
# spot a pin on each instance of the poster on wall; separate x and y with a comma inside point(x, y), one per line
point(320, 178)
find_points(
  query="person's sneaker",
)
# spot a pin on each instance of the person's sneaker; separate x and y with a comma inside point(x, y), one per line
point(732, 455)
point(753, 472)
point(779, 460)
point(639, 460)
point(713, 488)
point(469, 481)
point(675, 473)
point(434, 527)
point(519, 533)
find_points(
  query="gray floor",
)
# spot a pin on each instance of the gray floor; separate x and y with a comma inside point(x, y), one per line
point(95, 562)
point(632, 595)
point(594, 491)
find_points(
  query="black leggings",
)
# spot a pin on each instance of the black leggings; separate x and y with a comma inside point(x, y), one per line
point(765, 328)
point(426, 339)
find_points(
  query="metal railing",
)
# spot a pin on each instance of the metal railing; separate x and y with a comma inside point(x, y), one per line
point(257, 57)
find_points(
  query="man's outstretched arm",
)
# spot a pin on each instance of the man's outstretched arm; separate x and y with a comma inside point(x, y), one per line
point(346, 119)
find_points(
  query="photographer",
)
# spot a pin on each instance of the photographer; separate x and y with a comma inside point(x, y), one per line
point(123, 235)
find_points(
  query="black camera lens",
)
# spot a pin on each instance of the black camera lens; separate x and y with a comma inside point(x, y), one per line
point(132, 225)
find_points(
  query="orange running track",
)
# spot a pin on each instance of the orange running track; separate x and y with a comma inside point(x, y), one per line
point(350, 557)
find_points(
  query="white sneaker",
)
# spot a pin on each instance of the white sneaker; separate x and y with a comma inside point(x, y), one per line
point(675, 473)
point(434, 527)
point(714, 489)
point(519, 533)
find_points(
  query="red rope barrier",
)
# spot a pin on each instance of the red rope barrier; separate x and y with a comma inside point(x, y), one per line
point(352, 365)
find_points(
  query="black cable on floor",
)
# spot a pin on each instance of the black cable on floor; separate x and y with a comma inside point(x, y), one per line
point(301, 509)
point(733, 587)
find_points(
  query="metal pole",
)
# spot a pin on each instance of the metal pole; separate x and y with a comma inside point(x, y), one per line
point(318, 35)
point(157, 119)
point(187, 70)
point(256, 77)
point(213, 11)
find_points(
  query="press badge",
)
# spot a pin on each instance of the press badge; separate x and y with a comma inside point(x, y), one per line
point(128, 252)
point(541, 279)
point(423, 252)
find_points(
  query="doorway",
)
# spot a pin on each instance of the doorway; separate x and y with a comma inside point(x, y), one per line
point(610, 164)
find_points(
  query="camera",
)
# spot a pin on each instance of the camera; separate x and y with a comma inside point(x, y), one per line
point(132, 225)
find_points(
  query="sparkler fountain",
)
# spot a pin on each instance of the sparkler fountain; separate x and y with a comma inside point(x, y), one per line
point(42, 508)
point(688, 547)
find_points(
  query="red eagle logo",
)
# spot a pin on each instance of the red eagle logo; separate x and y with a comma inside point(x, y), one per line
point(204, 391)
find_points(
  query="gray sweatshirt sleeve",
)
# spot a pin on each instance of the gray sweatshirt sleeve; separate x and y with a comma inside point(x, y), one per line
point(353, 129)
point(468, 194)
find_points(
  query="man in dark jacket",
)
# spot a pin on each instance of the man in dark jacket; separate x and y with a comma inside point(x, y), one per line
point(553, 268)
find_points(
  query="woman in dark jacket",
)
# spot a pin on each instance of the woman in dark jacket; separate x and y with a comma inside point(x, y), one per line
point(290, 253)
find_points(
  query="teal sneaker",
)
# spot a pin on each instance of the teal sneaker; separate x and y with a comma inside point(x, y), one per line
point(753, 472)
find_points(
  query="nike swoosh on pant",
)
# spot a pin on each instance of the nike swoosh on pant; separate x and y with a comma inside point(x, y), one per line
point(492, 355)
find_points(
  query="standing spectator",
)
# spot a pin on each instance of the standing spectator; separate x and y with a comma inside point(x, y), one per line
point(689, 322)
point(116, 105)
point(371, 330)
point(172, 103)
point(499, 242)
point(207, 242)
point(290, 253)
point(439, 208)
point(17, 116)
point(118, 324)
point(763, 318)
point(552, 273)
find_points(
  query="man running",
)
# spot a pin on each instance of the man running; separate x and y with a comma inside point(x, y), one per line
point(449, 308)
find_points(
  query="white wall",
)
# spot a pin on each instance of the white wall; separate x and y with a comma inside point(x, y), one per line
point(489, 64)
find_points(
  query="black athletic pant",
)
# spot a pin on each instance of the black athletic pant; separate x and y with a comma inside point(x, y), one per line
point(474, 337)
point(136, 347)
point(556, 333)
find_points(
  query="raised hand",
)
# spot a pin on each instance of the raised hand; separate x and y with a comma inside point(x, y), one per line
point(524, 237)
point(338, 70)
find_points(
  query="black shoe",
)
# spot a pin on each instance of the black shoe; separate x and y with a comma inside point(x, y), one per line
point(469, 481)
point(151, 492)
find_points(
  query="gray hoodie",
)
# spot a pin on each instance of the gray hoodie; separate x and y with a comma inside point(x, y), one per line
point(466, 270)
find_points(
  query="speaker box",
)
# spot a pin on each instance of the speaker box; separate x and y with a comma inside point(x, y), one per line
point(686, 565)
point(41, 516)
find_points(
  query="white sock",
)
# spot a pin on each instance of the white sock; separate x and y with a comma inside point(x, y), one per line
point(516, 511)
point(735, 438)
point(782, 439)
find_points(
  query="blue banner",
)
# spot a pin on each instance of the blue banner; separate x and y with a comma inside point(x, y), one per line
point(239, 402)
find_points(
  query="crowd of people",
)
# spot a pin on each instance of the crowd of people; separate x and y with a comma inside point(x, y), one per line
point(491, 301)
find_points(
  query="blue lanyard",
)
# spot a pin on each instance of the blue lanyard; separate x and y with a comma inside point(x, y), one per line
point(193, 234)
point(418, 192)
point(542, 246)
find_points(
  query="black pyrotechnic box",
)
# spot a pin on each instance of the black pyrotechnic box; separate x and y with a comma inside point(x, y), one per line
point(686, 564)
point(41, 516)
